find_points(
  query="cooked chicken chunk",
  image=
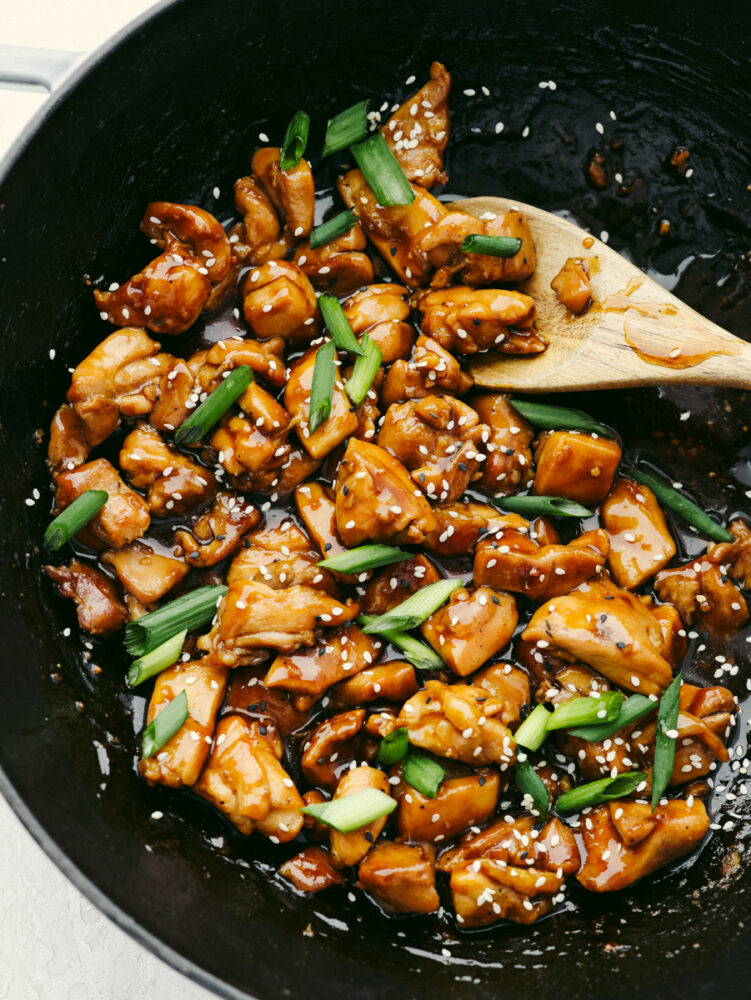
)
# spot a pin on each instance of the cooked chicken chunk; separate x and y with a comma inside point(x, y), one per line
point(460, 525)
point(703, 593)
point(673, 645)
point(578, 466)
point(280, 556)
point(471, 628)
point(311, 870)
point(316, 506)
point(572, 286)
point(418, 131)
point(279, 301)
point(266, 359)
point(393, 584)
point(261, 229)
point(740, 562)
point(349, 848)
point(430, 371)
point(68, 447)
point(640, 543)
point(507, 684)
point(192, 231)
point(401, 877)
point(509, 457)
point(254, 442)
point(461, 802)
point(217, 531)
point(442, 244)
point(467, 320)
point(313, 671)
point(292, 192)
point(145, 573)
point(332, 748)
point(174, 398)
point(341, 421)
point(174, 482)
point(393, 681)
point(382, 311)
point(99, 608)
point(125, 515)
point(338, 266)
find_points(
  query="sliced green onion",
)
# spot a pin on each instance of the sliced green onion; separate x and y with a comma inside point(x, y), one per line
point(295, 140)
point(338, 325)
point(532, 732)
point(186, 612)
point(667, 733)
point(683, 507)
point(419, 606)
point(394, 746)
point(322, 389)
point(423, 773)
point(165, 724)
point(365, 370)
point(381, 170)
point(596, 792)
point(418, 653)
point(354, 811)
point(534, 506)
point(345, 128)
point(75, 516)
point(559, 417)
point(529, 782)
point(633, 708)
point(157, 660)
point(202, 419)
point(364, 557)
point(332, 229)
point(586, 711)
point(491, 246)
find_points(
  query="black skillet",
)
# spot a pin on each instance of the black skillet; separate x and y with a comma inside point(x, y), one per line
point(172, 109)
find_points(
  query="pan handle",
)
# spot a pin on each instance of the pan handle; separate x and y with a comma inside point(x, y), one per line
point(34, 68)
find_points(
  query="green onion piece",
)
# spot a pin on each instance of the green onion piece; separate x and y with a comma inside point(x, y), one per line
point(413, 612)
point(157, 660)
point(529, 782)
point(683, 507)
point(559, 417)
point(165, 724)
point(418, 653)
point(633, 708)
point(201, 420)
point(354, 811)
point(338, 325)
point(586, 711)
point(345, 128)
point(364, 557)
point(491, 246)
point(381, 170)
point(186, 612)
point(667, 721)
point(595, 792)
point(532, 732)
point(74, 517)
point(423, 773)
point(295, 140)
point(533, 506)
point(322, 389)
point(394, 746)
point(333, 228)
point(365, 370)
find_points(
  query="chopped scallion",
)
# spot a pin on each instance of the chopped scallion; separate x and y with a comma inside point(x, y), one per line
point(532, 732)
point(667, 721)
point(633, 708)
point(202, 419)
point(381, 170)
point(586, 711)
point(418, 653)
point(536, 506)
point(322, 389)
point(365, 370)
point(417, 607)
point(682, 506)
point(529, 782)
point(295, 140)
point(338, 325)
point(351, 812)
point(422, 773)
point(596, 792)
point(491, 246)
point(75, 516)
point(186, 612)
point(165, 724)
point(559, 417)
point(157, 660)
point(332, 229)
point(364, 557)
point(346, 128)
point(394, 746)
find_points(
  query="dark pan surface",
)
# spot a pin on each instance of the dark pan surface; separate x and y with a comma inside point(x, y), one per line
point(173, 111)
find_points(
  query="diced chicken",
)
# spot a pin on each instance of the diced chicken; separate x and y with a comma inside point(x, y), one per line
point(376, 501)
point(507, 684)
point(471, 628)
point(338, 266)
point(279, 301)
point(332, 747)
point(442, 244)
point(175, 483)
point(461, 802)
point(316, 506)
point(192, 231)
point(292, 192)
point(271, 708)
point(672, 831)
point(572, 286)
point(517, 843)
point(266, 359)
point(393, 681)
point(430, 371)
point(125, 515)
point(255, 441)
point(68, 447)
point(181, 759)
point(740, 566)
point(401, 877)
point(313, 671)
point(418, 131)
point(99, 609)
point(458, 722)
point(508, 466)
point(173, 401)
point(341, 421)
point(295, 469)
point(640, 543)
point(703, 593)
point(261, 229)
point(467, 320)
point(382, 311)
point(578, 466)
point(280, 557)
point(392, 585)
point(460, 525)
point(311, 870)
point(674, 643)
point(217, 531)
point(368, 412)
point(350, 848)
point(145, 573)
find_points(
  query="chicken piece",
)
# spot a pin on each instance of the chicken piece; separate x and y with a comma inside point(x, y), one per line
point(640, 543)
point(376, 501)
point(467, 320)
point(368, 412)
point(607, 628)
point(673, 645)
point(180, 761)
point(740, 554)
point(217, 531)
point(572, 286)
point(332, 747)
point(292, 192)
point(394, 584)
point(317, 508)
point(146, 574)
point(438, 439)
point(703, 593)
point(255, 441)
point(460, 525)
point(167, 296)
point(561, 681)
point(471, 628)
point(382, 311)
point(192, 231)
point(338, 266)
point(574, 465)
point(395, 231)
point(626, 750)
point(175, 482)
point(442, 245)
point(341, 421)
point(418, 131)
point(121, 375)
point(507, 684)
point(509, 457)
point(125, 515)
point(173, 401)
point(260, 227)
point(313, 671)
point(311, 870)
point(280, 556)
point(518, 844)
point(393, 681)
point(266, 359)
point(350, 848)
point(296, 468)
point(68, 447)
point(610, 864)
point(400, 877)
point(430, 371)
point(445, 719)
point(279, 301)
point(511, 560)
point(461, 802)
point(99, 609)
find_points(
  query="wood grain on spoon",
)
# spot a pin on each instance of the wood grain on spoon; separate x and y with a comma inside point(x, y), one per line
point(634, 333)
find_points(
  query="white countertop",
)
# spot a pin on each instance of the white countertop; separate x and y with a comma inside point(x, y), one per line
point(54, 944)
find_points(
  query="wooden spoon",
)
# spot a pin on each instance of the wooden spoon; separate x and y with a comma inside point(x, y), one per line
point(634, 332)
